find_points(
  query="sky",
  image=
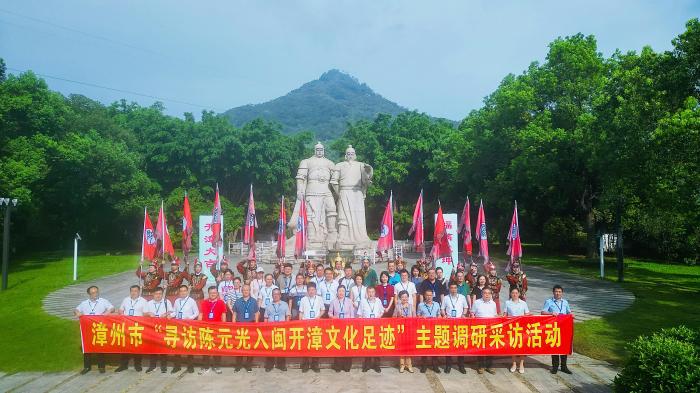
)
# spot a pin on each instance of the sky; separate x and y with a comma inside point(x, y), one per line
point(441, 58)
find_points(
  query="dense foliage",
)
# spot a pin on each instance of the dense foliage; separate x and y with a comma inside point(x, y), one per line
point(665, 361)
point(577, 139)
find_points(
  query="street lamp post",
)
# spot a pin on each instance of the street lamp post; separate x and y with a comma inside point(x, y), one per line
point(75, 256)
point(10, 203)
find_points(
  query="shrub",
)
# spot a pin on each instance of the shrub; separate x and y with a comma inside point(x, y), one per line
point(563, 234)
point(666, 361)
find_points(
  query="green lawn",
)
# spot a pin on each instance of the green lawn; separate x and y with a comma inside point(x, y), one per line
point(31, 339)
point(666, 295)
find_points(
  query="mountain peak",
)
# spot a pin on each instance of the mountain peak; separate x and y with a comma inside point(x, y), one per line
point(337, 75)
point(325, 106)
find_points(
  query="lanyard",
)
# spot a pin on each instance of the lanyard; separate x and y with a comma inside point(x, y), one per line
point(384, 294)
point(558, 306)
point(404, 286)
point(133, 302)
point(371, 310)
point(341, 303)
point(246, 305)
point(268, 292)
point(313, 305)
point(92, 308)
point(405, 311)
point(183, 303)
point(158, 307)
point(432, 286)
point(212, 305)
point(326, 284)
point(453, 302)
point(275, 307)
point(288, 283)
point(359, 292)
point(430, 310)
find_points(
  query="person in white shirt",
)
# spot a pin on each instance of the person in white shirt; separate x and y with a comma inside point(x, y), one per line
point(257, 283)
point(320, 276)
point(158, 307)
point(516, 307)
point(328, 289)
point(226, 287)
point(405, 285)
point(265, 295)
point(454, 305)
point(184, 307)
point(370, 307)
point(485, 308)
point(132, 306)
point(297, 293)
point(94, 305)
point(358, 291)
point(310, 308)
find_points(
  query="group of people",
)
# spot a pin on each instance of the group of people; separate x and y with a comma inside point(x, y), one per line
point(317, 291)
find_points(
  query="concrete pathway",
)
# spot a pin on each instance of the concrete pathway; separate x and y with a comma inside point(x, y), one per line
point(588, 376)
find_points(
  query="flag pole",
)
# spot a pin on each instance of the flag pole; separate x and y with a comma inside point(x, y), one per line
point(142, 246)
point(162, 235)
point(422, 227)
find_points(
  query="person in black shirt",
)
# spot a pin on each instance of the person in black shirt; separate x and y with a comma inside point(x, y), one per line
point(439, 290)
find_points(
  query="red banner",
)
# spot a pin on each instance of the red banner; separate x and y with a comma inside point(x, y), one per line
point(527, 335)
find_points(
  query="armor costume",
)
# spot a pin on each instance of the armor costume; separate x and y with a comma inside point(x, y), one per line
point(493, 282)
point(150, 280)
point(516, 278)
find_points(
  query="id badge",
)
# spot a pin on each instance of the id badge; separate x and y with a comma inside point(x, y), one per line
point(341, 315)
point(267, 302)
point(246, 315)
point(347, 293)
point(312, 314)
point(276, 317)
point(157, 315)
point(211, 315)
point(131, 312)
point(328, 296)
point(371, 315)
point(179, 315)
point(384, 302)
point(454, 313)
point(92, 313)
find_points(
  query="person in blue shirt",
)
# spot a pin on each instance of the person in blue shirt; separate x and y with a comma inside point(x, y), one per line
point(554, 306)
point(245, 310)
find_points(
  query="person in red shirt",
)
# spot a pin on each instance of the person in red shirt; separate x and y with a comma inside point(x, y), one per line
point(212, 309)
point(385, 293)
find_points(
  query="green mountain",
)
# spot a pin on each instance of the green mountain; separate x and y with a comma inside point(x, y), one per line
point(323, 106)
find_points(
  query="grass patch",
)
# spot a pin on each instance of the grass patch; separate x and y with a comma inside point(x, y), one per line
point(32, 340)
point(666, 295)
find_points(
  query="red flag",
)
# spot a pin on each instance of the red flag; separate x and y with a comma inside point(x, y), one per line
point(386, 231)
point(441, 244)
point(216, 222)
point(163, 235)
point(515, 247)
point(482, 237)
point(281, 236)
point(249, 227)
point(148, 243)
point(417, 226)
point(301, 235)
point(186, 226)
point(250, 221)
point(467, 227)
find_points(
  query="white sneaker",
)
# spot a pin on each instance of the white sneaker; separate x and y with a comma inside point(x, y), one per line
point(512, 368)
point(203, 371)
point(216, 370)
point(521, 370)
